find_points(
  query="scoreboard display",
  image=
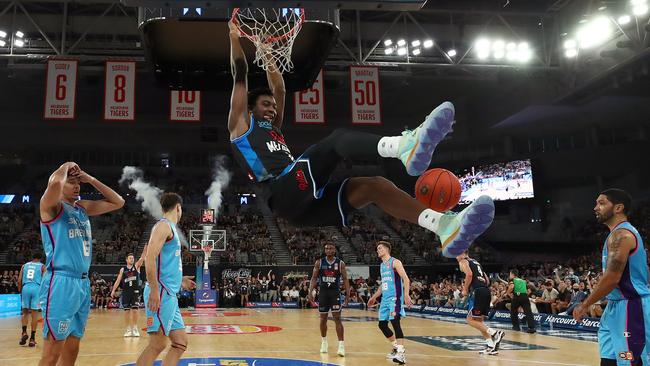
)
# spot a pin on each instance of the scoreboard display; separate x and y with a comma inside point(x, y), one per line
point(208, 216)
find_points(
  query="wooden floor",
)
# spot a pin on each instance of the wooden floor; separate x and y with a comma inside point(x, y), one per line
point(299, 339)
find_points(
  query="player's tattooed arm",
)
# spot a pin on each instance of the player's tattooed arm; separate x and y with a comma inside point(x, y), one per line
point(619, 246)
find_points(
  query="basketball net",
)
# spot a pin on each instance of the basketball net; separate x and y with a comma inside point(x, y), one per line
point(207, 252)
point(273, 32)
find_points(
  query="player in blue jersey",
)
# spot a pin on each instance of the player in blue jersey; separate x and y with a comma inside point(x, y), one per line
point(301, 190)
point(329, 271)
point(65, 230)
point(394, 292)
point(29, 283)
point(624, 333)
point(164, 281)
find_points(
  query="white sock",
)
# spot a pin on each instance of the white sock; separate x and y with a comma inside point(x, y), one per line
point(388, 146)
point(429, 219)
point(491, 331)
point(324, 339)
point(489, 342)
point(341, 343)
point(394, 344)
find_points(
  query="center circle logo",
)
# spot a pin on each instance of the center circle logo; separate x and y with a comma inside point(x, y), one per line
point(243, 361)
point(229, 329)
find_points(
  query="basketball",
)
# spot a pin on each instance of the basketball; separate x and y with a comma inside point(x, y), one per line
point(438, 189)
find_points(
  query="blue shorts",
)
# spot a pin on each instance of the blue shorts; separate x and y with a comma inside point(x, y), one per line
point(389, 308)
point(168, 317)
point(624, 333)
point(65, 303)
point(29, 296)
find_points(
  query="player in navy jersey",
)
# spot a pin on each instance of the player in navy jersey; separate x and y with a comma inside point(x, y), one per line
point(624, 333)
point(477, 286)
point(301, 189)
point(65, 230)
point(129, 278)
point(394, 292)
point(164, 281)
point(29, 283)
point(330, 273)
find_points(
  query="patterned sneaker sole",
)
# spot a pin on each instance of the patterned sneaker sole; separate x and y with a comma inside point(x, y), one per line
point(438, 125)
point(473, 224)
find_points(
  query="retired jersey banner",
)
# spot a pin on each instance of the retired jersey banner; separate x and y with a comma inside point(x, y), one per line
point(60, 89)
point(310, 103)
point(185, 105)
point(119, 92)
point(366, 97)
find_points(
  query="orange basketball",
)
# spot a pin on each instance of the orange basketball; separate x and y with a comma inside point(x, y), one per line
point(438, 189)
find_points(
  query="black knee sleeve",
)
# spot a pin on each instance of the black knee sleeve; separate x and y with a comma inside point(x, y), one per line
point(383, 325)
point(397, 327)
point(607, 362)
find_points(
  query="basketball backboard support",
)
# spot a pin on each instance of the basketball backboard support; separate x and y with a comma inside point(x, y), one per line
point(401, 5)
point(193, 53)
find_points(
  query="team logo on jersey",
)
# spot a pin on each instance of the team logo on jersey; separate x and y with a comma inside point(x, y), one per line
point(229, 329)
point(302, 180)
point(336, 266)
point(626, 356)
point(243, 361)
point(265, 125)
point(64, 325)
point(627, 334)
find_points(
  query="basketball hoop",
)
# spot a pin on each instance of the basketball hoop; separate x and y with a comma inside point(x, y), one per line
point(273, 32)
point(207, 247)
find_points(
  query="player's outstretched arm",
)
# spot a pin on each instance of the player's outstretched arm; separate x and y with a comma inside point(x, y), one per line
point(276, 84)
point(51, 198)
point(160, 233)
point(619, 246)
point(238, 117)
point(112, 200)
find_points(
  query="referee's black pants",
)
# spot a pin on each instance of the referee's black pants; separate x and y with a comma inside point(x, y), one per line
point(522, 301)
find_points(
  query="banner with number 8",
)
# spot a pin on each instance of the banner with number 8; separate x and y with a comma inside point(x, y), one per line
point(119, 92)
point(60, 89)
point(365, 95)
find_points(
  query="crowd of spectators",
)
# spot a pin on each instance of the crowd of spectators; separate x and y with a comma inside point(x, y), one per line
point(305, 244)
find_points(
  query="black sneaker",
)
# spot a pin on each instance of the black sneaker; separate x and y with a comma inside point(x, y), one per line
point(32, 342)
point(531, 331)
point(23, 339)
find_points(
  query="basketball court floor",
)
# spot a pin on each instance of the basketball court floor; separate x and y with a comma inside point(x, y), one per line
point(288, 337)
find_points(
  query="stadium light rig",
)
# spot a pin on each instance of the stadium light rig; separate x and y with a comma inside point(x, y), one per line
point(499, 50)
point(401, 47)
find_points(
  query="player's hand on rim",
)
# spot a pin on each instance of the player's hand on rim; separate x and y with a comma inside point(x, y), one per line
point(234, 29)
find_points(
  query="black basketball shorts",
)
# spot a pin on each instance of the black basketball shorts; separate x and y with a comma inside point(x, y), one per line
point(329, 301)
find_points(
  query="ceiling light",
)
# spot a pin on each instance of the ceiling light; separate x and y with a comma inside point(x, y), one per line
point(428, 43)
point(624, 19)
point(401, 43)
point(401, 51)
point(388, 42)
point(570, 53)
point(416, 51)
point(388, 51)
point(415, 43)
point(570, 43)
point(3, 34)
point(19, 43)
point(639, 10)
point(451, 53)
point(20, 34)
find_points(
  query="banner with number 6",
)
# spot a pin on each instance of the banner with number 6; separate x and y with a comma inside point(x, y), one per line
point(310, 103)
point(61, 89)
point(365, 95)
point(119, 92)
point(185, 105)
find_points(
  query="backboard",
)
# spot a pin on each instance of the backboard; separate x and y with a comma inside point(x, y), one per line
point(202, 236)
point(401, 5)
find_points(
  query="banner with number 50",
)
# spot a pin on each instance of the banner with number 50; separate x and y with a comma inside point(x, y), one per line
point(119, 92)
point(365, 94)
point(60, 89)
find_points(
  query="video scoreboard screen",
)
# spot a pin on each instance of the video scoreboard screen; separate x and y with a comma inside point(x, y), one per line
point(208, 216)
